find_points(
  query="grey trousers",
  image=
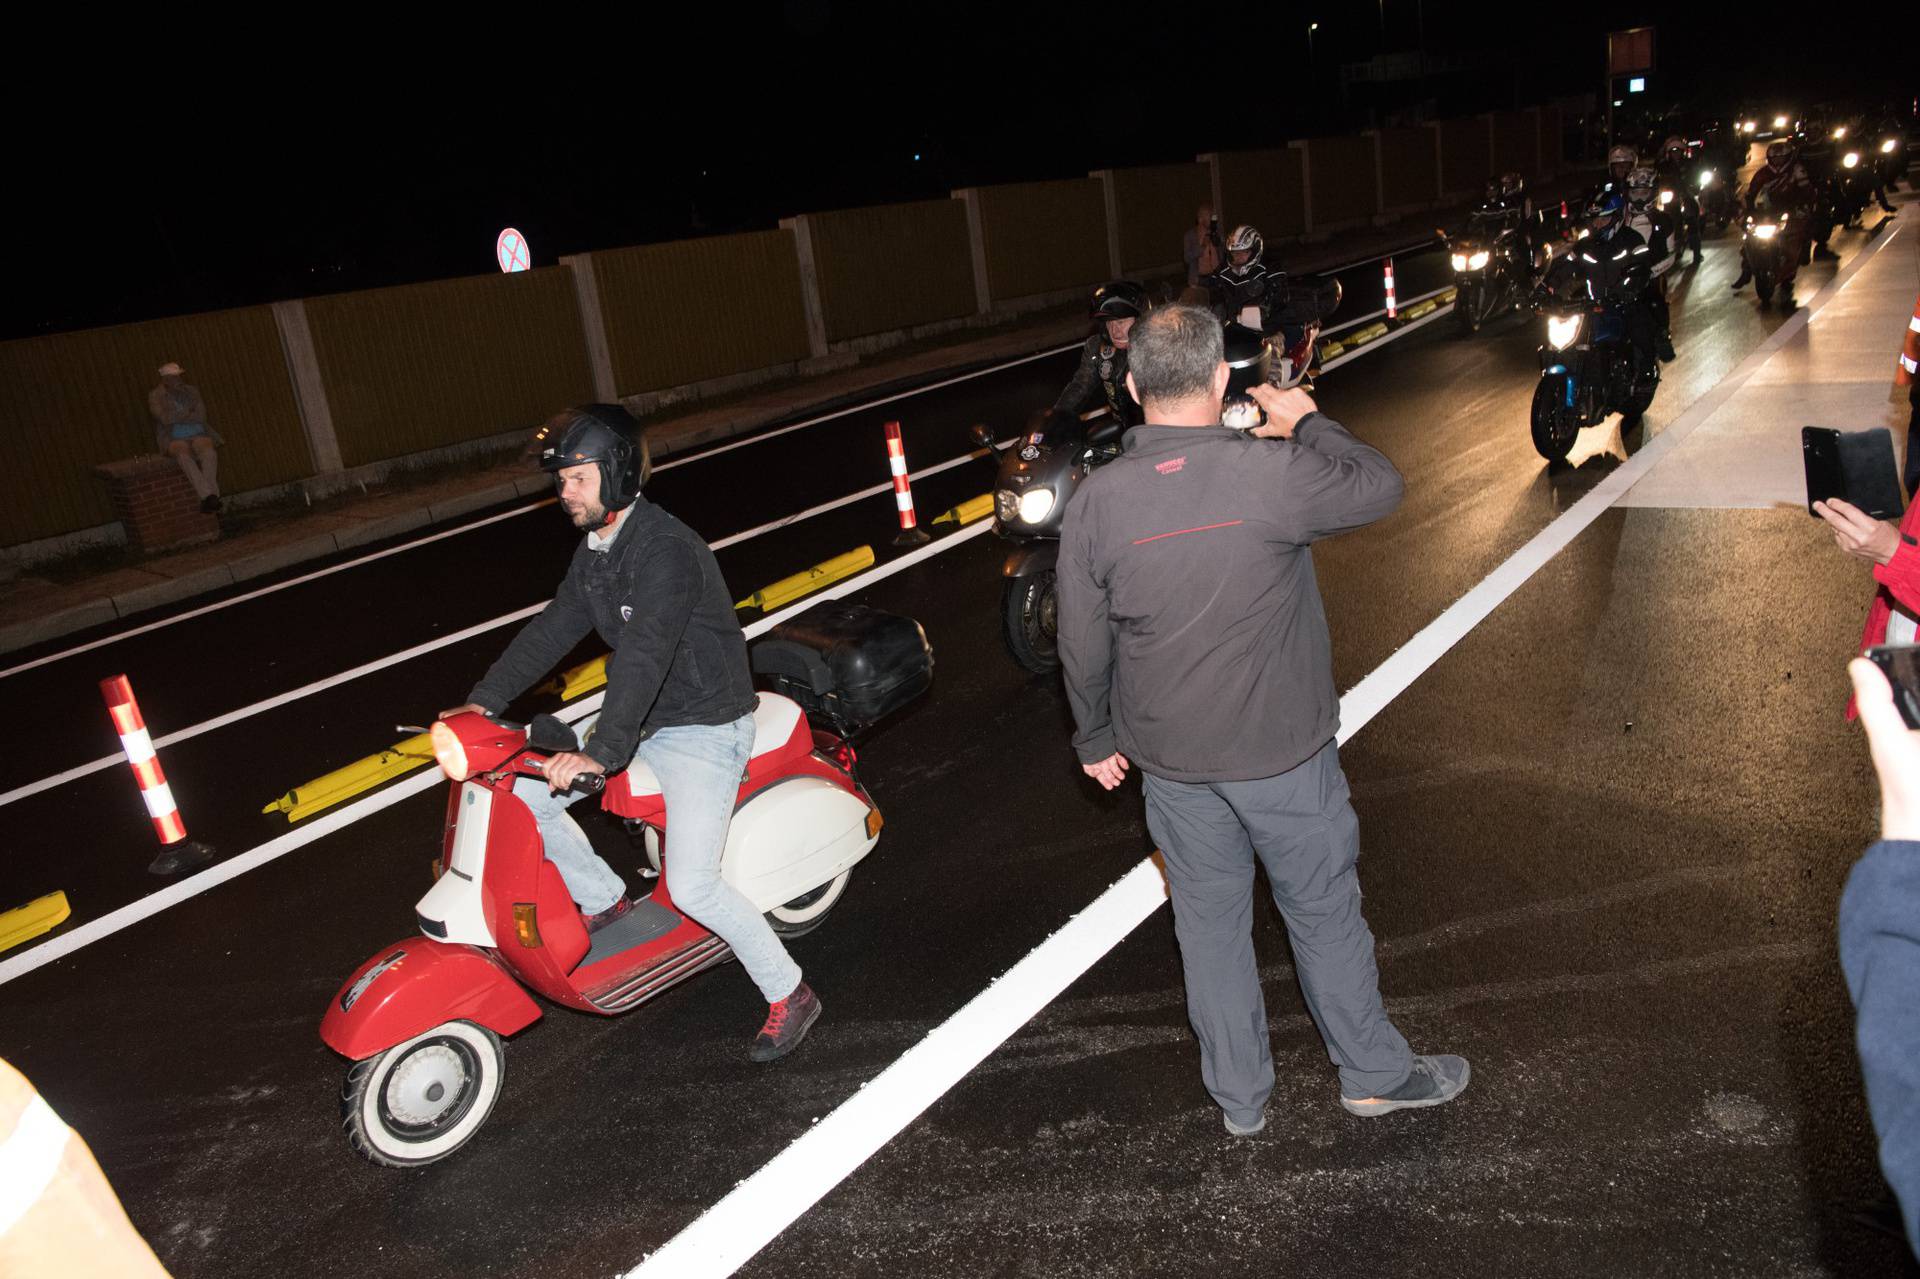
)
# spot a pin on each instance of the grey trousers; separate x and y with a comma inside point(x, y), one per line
point(1301, 827)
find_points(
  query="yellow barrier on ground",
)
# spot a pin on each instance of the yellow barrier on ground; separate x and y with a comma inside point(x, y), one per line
point(1360, 337)
point(1330, 349)
point(788, 589)
point(362, 775)
point(1419, 309)
point(1449, 295)
point(576, 680)
point(974, 508)
point(24, 923)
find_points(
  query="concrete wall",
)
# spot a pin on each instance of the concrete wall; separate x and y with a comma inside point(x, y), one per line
point(892, 267)
point(1036, 238)
point(431, 365)
point(1466, 158)
point(74, 400)
point(1265, 189)
point(1341, 182)
point(1409, 170)
point(1152, 208)
point(1516, 143)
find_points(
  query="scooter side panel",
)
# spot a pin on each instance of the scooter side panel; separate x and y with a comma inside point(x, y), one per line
point(791, 838)
point(411, 987)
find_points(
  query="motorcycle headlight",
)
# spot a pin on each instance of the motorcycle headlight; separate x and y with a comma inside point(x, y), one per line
point(1765, 230)
point(1036, 504)
point(1478, 260)
point(1779, 122)
point(1706, 178)
point(1666, 198)
point(1459, 262)
point(1562, 330)
point(1888, 147)
point(1840, 133)
point(1850, 160)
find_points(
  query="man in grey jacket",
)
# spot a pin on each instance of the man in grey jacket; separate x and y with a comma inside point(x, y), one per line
point(1196, 647)
point(679, 697)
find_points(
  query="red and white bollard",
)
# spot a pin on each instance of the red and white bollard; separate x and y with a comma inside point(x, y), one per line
point(154, 791)
point(911, 534)
point(1393, 303)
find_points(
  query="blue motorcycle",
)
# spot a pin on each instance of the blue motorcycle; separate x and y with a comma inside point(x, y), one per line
point(1587, 364)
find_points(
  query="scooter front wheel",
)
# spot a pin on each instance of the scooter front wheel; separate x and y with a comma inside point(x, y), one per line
point(423, 1099)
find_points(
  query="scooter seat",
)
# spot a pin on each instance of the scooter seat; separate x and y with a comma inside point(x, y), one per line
point(780, 732)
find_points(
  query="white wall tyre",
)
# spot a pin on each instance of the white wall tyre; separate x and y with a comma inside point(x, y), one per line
point(423, 1099)
point(806, 912)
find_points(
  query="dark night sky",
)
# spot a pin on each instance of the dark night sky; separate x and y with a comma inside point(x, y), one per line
point(218, 167)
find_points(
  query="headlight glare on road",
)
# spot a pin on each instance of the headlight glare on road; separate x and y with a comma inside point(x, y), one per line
point(1851, 160)
point(1478, 260)
point(1562, 330)
point(1036, 504)
point(1459, 262)
point(1765, 230)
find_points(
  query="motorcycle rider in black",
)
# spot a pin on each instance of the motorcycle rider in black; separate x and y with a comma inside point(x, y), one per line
point(1101, 379)
point(1674, 169)
point(1247, 291)
point(1611, 257)
point(1645, 218)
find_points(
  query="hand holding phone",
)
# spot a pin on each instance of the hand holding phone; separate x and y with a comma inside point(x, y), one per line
point(1890, 709)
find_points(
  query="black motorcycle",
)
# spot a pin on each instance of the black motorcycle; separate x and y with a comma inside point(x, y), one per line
point(1764, 247)
point(1492, 273)
point(1037, 474)
point(1587, 366)
point(1683, 207)
point(1719, 207)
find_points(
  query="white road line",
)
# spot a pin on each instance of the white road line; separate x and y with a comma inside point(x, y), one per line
point(729, 1233)
point(871, 404)
point(104, 640)
point(407, 655)
point(153, 903)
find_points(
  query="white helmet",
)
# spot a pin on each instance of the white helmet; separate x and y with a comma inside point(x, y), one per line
point(1623, 155)
point(1245, 239)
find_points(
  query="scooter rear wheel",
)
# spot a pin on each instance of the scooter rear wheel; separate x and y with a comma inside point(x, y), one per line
point(808, 911)
point(423, 1099)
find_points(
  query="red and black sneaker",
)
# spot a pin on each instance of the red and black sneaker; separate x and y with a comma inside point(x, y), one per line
point(787, 1024)
point(596, 922)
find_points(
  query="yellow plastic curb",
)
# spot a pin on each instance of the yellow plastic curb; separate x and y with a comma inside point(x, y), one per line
point(1419, 309)
point(788, 589)
point(362, 775)
point(1330, 349)
point(974, 508)
point(24, 923)
point(1448, 296)
point(1362, 336)
point(576, 680)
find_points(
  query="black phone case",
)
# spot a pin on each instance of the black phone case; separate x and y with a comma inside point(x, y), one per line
point(1857, 466)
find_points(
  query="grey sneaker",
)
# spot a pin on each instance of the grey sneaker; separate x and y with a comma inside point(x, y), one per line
point(1258, 1125)
point(1434, 1080)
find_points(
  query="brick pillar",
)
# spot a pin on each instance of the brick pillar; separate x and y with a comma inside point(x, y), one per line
point(155, 504)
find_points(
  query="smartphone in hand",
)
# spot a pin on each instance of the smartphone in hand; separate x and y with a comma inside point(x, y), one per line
point(1900, 663)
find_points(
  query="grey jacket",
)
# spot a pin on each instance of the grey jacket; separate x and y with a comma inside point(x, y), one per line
point(657, 598)
point(1191, 626)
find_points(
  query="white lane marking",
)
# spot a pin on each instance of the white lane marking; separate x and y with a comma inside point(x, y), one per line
point(86, 934)
point(407, 655)
point(871, 404)
point(729, 1233)
point(202, 611)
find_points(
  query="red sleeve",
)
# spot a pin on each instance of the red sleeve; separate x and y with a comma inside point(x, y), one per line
point(1901, 574)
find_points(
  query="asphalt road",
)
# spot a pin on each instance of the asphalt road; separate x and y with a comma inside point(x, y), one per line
point(1604, 839)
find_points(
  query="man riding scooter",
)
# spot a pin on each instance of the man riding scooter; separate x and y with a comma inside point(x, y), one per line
point(679, 698)
point(1101, 379)
point(1784, 181)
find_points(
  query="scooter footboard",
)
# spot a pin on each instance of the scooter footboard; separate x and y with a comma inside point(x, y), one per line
point(413, 986)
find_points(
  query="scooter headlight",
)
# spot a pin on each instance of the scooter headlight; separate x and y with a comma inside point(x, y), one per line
point(1765, 230)
point(1459, 262)
point(1889, 146)
point(1562, 330)
point(1036, 504)
point(1851, 160)
point(449, 750)
point(1666, 198)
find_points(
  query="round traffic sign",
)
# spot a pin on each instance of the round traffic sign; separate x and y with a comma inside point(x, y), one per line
point(511, 251)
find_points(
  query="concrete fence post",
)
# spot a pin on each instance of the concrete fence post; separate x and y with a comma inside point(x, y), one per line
point(1306, 185)
point(1439, 162)
point(1539, 152)
point(586, 295)
point(309, 388)
point(802, 230)
point(977, 240)
point(1379, 178)
point(1112, 199)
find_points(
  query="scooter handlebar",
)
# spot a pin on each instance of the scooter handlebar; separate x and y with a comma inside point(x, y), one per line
point(589, 784)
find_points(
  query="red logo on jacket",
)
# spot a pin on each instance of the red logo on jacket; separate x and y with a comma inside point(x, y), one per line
point(1169, 467)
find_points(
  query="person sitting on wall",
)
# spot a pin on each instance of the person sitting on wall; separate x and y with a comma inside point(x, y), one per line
point(181, 431)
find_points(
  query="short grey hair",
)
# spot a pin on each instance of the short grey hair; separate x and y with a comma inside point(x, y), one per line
point(1173, 353)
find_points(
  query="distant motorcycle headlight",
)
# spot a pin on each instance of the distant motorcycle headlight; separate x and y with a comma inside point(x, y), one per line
point(1765, 230)
point(1779, 122)
point(1666, 198)
point(1888, 147)
point(1035, 505)
point(1706, 178)
point(1459, 262)
point(1478, 260)
point(1562, 330)
point(1851, 160)
point(1840, 133)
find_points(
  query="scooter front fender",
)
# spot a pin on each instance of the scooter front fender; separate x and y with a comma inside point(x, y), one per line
point(413, 986)
point(1032, 559)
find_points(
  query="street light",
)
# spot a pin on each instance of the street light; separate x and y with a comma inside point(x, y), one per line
point(1311, 28)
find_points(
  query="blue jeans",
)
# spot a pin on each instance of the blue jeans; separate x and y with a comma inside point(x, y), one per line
point(699, 768)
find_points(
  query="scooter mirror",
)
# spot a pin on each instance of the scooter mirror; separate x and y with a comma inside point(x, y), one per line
point(548, 734)
point(981, 435)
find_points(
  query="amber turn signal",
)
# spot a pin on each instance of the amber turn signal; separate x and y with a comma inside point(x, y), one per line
point(526, 924)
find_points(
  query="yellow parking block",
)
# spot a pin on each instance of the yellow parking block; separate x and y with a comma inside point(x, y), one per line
point(24, 923)
point(362, 775)
point(974, 508)
point(1360, 337)
point(1330, 349)
point(788, 589)
point(1419, 309)
point(576, 680)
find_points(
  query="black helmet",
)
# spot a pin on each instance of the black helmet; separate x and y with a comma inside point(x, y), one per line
point(1245, 239)
point(1118, 300)
point(605, 434)
point(1512, 184)
point(1249, 359)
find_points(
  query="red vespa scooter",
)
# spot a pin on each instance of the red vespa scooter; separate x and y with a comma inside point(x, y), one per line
point(422, 1021)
